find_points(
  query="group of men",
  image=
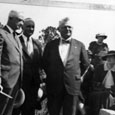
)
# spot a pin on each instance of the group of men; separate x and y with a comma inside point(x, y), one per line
point(21, 60)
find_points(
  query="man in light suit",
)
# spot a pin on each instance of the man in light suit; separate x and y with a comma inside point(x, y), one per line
point(11, 64)
point(32, 64)
point(61, 61)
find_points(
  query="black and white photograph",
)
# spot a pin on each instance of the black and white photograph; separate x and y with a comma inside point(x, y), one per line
point(57, 57)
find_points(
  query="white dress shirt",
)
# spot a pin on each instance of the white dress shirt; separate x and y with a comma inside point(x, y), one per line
point(64, 50)
point(28, 44)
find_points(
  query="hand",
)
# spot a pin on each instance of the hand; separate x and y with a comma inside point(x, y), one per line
point(42, 84)
point(40, 93)
point(81, 108)
point(92, 67)
point(90, 52)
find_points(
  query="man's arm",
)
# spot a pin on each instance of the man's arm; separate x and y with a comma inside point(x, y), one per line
point(84, 56)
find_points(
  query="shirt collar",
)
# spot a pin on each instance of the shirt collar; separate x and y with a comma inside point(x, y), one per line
point(10, 29)
point(69, 39)
point(25, 39)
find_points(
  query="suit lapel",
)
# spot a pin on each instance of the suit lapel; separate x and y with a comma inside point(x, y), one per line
point(24, 46)
point(71, 53)
point(72, 50)
point(11, 38)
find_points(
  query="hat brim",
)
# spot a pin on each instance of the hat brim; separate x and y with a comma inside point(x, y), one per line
point(108, 55)
point(104, 37)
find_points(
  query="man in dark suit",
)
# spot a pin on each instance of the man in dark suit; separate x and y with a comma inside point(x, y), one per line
point(11, 64)
point(32, 59)
point(61, 61)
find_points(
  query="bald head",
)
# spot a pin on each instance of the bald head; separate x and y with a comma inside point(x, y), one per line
point(15, 14)
point(14, 19)
point(28, 20)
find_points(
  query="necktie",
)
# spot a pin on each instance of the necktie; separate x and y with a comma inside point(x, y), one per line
point(29, 47)
point(66, 41)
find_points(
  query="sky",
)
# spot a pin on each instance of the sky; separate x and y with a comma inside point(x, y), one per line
point(86, 23)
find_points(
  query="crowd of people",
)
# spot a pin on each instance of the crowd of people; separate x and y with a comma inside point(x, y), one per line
point(56, 66)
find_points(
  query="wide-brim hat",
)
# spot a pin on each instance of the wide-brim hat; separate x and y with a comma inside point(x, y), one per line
point(101, 35)
point(110, 53)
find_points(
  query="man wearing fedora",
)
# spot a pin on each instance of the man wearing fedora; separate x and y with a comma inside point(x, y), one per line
point(103, 84)
point(11, 64)
point(98, 48)
point(61, 61)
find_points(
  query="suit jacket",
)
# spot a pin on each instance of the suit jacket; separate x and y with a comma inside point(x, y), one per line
point(59, 75)
point(32, 64)
point(11, 64)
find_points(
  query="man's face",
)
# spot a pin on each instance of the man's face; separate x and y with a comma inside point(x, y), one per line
point(66, 31)
point(19, 27)
point(15, 23)
point(28, 28)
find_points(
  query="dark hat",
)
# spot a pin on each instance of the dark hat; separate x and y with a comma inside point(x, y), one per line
point(110, 53)
point(101, 35)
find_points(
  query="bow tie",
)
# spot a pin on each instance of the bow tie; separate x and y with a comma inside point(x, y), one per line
point(66, 41)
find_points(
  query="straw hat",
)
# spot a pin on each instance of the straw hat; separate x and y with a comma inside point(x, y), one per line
point(20, 98)
point(101, 35)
